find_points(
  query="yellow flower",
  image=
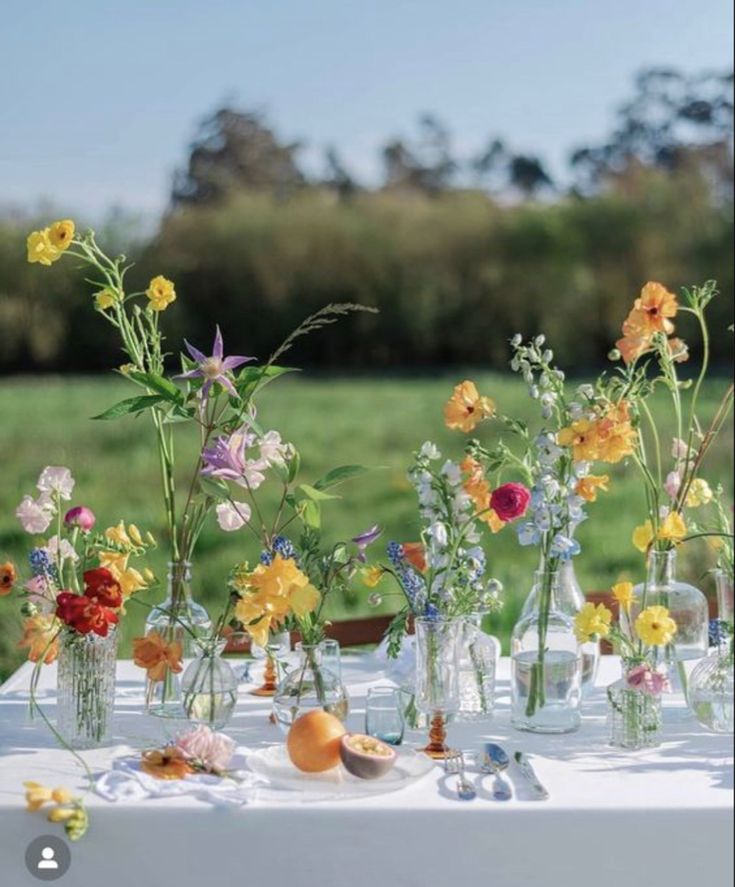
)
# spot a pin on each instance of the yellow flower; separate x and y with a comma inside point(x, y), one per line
point(160, 293)
point(700, 493)
point(372, 576)
point(623, 594)
point(656, 305)
point(581, 437)
point(616, 437)
point(37, 795)
point(61, 234)
point(643, 536)
point(165, 763)
point(592, 622)
point(157, 657)
point(587, 487)
point(465, 409)
point(131, 580)
point(673, 529)
point(40, 636)
point(655, 627)
point(134, 534)
point(40, 249)
point(118, 535)
point(105, 299)
point(61, 814)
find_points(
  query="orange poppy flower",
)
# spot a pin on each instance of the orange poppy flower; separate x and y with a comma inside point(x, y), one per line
point(465, 409)
point(656, 305)
point(157, 656)
point(165, 763)
point(7, 578)
point(415, 554)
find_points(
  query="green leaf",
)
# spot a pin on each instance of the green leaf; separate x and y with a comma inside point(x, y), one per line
point(339, 475)
point(312, 514)
point(252, 379)
point(131, 405)
point(314, 494)
point(160, 384)
point(214, 487)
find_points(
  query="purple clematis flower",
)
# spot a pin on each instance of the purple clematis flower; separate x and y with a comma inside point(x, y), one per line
point(227, 459)
point(215, 368)
point(367, 537)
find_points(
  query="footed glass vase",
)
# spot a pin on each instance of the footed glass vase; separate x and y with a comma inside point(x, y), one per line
point(86, 687)
point(437, 677)
point(478, 660)
point(633, 716)
point(546, 664)
point(278, 646)
point(687, 606)
point(209, 686)
point(182, 621)
point(309, 685)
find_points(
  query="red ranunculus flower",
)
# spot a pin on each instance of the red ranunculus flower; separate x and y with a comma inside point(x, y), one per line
point(84, 614)
point(102, 587)
point(510, 501)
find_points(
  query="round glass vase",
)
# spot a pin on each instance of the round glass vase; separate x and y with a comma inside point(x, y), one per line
point(634, 717)
point(546, 664)
point(710, 695)
point(86, 687)
point(309, 685)
point(178, 619)
point(437, 676)
point(570, 599)
point(209, 686)
point(687, 606)
point(478, 661)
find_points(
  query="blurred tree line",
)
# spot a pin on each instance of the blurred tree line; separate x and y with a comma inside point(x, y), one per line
point(457, 252)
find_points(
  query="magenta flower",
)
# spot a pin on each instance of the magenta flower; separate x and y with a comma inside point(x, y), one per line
point(80, 516)
point(648, 680)
point(227, 460)
point(215, 368)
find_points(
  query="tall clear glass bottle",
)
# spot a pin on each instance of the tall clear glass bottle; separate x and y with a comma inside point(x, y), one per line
point(180, 619)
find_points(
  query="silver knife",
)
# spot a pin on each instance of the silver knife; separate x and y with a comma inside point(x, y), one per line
point(529, 773)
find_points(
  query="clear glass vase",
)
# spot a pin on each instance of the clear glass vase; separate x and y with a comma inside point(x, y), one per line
point(86, 687)
point(725, 603)
point(209, 686)
point(177, 619)
point(546, 664)
point(437, 676)
point(634, 717)
point(278, 646)
point(688, 608)
point(309, 685)
point(570, 599)
point(710, 695)
point(478, 661)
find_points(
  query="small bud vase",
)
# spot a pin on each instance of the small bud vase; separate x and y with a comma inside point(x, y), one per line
point(309, 685)
point(634, 717)
point(478, 660)
point(209, 686)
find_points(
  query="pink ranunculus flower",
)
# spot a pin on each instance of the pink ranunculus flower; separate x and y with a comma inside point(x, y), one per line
point(211, 751)
point(510, 501)
point(672, 484)
point(648, 680)
point(80, 516)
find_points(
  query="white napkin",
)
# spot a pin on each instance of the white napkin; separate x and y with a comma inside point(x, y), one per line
point(127, 782)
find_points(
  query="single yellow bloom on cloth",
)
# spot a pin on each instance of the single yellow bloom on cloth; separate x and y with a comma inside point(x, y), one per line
point(592, 621)
point(372, 576)
point(105, 299)
point(673, 529)
point(655, 627)
point(160, 293)
point(40, 249)
point(588, 487)
point(465, 409)
point(623, 594)
point(61, 234)
point(643, 536)
point(700, 493)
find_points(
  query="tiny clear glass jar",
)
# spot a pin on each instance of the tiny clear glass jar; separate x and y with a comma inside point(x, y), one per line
point(634, 717)
point(209, 686)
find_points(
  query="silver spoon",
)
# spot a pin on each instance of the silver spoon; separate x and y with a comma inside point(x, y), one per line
point(495, 760)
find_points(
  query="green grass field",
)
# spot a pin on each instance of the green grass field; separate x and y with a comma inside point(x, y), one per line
point(376, 422)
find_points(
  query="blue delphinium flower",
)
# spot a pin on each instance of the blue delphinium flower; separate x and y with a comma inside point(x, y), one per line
point(41, 564)
point(282, 546)
point(411, 582)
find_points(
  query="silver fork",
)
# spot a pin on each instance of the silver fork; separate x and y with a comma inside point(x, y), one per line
point(454, 766)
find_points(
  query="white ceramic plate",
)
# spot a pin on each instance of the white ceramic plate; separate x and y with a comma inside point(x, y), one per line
point(273, 764)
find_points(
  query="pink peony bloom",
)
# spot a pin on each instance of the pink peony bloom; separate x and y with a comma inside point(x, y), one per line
point(80, 516)
point(672, 484)
point(510, 501)
point(648, 680)
point(211, 751)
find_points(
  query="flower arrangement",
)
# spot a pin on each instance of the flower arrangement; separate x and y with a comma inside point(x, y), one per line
point(199, 750)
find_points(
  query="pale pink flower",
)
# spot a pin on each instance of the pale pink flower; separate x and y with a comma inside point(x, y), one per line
point(679, 449)
point(648, 680)
point(672, 484)
point(273, 449)
point(55, 479)
point(61, 550)
point(34, 515)
point(40, 594)
point(211, 751)
point(233, 516)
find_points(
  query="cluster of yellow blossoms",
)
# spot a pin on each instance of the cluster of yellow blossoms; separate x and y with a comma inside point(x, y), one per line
point(673, 529)
point(270, 593)
point(124, 542)
point(651, 314)
point(67, 809)
point(47, 245)
point(653, 626)
point(609, 438)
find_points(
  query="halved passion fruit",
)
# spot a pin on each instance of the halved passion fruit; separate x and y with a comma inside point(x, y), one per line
point(365, 756)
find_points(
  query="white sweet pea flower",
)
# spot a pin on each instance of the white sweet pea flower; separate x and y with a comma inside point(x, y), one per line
point(232, 516)
point(273, 450)
point(438, 533)
point(60, 550)
point(55, 479)
point(34, 516)
point(429, 451)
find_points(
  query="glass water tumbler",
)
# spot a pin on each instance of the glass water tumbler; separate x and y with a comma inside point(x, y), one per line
point(384, 715)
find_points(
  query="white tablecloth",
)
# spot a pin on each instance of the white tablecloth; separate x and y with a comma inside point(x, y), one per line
point(657, 817)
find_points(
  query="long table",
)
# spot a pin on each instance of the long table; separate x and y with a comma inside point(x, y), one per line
point(662, 816)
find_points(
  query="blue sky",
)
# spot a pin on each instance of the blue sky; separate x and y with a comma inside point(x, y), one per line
point(100, 98)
